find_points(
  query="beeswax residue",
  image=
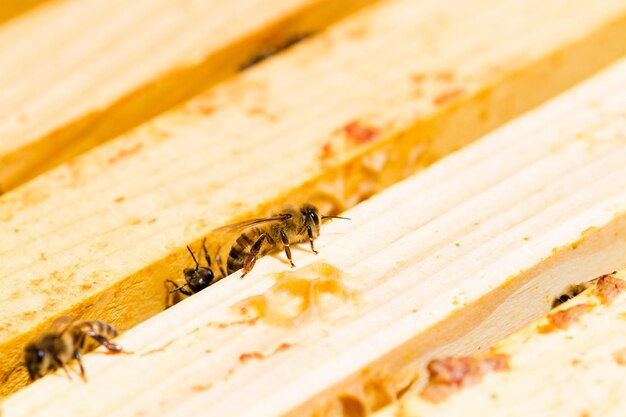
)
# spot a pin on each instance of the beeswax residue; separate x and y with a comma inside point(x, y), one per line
point(313, 290)
point(563, 319)
point(451, 374)
point(608, 287)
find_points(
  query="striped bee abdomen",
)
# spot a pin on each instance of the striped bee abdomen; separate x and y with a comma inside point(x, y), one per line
point(241, 248)
point(85, 331)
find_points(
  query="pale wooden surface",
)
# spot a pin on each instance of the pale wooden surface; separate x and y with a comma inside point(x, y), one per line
point(438, 260)
point(105, 231)
point(75, 73)
point(568, 372)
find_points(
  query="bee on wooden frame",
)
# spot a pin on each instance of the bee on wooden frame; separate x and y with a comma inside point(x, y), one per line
point(571, 292)
point(200, 277)
point(64, 341)
point(262, 236)
point(575, 289)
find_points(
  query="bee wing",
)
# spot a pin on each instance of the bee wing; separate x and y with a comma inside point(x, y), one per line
point(61, 324)
point(248, 223)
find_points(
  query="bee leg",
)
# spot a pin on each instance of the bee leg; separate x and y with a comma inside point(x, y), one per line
point(60, 364)
point(67, 372)
point(184, 291)
point(285, 240)
point(78, 357)
point(104, 341)
point(180, 288)
point(310, 233)
point(220, 264)
point(254, 251)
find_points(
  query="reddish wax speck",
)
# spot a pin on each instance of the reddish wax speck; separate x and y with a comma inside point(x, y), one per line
point(360, 133)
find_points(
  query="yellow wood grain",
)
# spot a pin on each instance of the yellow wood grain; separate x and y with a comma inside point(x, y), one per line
point(77, 73)
point(99, 235)
point(9, 9)
point(447, 261)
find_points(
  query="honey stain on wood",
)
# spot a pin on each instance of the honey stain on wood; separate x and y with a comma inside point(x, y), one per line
point(245, 357)
point(310, 291)
point(563, 319)
point(125, 153)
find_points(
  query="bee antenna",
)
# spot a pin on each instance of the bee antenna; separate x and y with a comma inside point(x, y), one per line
point(335, 217)
point(178, 288)
point(194, 258)
point(206, 254)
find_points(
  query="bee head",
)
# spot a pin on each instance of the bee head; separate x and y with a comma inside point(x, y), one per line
point(311, 218)
point(37, 361)
point(198, 278)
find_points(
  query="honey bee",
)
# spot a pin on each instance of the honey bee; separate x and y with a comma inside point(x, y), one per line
point(279, 231)
point(575, 289)
point(65, 340)
point(200, 277)
point(572, 291)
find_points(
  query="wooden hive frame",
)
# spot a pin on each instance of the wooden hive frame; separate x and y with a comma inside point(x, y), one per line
point(91, 86)
point(575, 368)
point(407, 270)
point(170, 182)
